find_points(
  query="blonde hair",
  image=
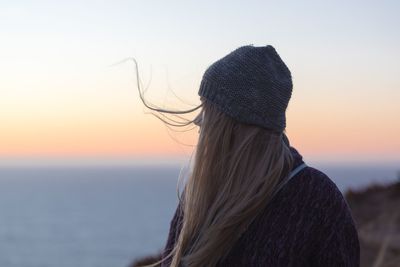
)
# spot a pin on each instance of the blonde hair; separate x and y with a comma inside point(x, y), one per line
point(237, 168)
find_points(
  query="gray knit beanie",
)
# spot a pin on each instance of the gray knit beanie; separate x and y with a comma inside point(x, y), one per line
point(252, 85)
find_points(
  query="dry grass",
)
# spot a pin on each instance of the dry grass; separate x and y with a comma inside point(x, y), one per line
point(376, 211)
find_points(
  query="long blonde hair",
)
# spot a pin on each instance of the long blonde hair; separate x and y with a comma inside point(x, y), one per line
point(237, 168)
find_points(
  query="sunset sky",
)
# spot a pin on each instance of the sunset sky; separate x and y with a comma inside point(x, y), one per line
point(62, 97)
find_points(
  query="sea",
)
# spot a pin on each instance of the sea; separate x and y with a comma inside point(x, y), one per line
point(77, 216)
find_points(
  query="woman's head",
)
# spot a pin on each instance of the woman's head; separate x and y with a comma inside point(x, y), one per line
point(241, 156)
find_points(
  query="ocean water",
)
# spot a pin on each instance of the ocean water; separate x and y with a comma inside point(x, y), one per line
point(103, 216)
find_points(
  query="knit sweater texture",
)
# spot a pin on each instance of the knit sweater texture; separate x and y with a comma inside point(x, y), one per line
point(308, 223)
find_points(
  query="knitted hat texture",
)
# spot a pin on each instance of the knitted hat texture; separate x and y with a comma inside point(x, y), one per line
point(252, 85)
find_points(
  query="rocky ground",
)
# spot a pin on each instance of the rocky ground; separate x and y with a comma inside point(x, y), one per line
point(376, 211)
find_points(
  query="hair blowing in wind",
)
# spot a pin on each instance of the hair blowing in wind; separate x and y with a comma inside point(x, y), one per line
point(236, 169)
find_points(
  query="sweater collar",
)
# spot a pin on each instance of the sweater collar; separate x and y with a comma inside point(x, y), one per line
point(297, 157)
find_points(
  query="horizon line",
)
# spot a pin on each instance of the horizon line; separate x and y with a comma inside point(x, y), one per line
point(172, 160)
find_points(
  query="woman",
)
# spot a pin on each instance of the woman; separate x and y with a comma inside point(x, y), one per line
point(251, 200)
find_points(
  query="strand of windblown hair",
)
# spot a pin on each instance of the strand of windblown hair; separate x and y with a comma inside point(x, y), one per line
point(160, 111)
point(171, 121)
point(153, 107)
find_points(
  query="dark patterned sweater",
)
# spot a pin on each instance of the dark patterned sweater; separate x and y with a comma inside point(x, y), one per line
point(307, 223)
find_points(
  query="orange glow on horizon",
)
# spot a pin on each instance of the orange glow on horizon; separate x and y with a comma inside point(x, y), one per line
point(146, 136)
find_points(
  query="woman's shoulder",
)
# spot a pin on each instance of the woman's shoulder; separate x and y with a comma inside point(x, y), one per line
point(311, 181)
point(323, 199)
point(315, 189)
point(316, 181)
point(319, 180)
